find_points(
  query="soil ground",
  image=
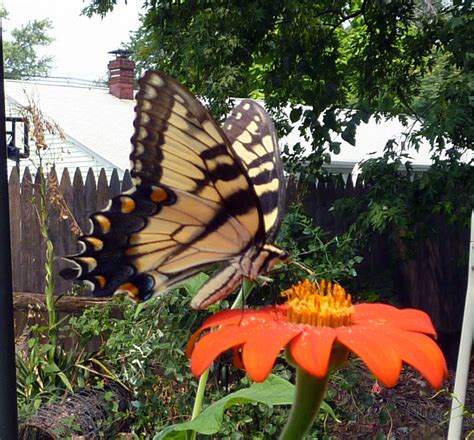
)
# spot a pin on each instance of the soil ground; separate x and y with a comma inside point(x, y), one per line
point(411, 410)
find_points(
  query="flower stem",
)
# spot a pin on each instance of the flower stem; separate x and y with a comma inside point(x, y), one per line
point(50, 284)
point(246, 289)
point(200, 394)
point(309, 395)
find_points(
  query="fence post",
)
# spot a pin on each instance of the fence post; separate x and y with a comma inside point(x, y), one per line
point(8, 404)
point(464, 355)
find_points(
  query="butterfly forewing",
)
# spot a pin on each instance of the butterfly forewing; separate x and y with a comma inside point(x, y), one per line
point(194, 203)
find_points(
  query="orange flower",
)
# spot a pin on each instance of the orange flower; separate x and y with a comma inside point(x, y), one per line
point(315, 320)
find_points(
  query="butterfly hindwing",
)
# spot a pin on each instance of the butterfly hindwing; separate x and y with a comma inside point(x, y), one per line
point(254, 140)
point(196, 201)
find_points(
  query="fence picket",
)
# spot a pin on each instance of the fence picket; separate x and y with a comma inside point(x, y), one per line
point(127, 181)
point(78, 201)
point(67, 237)
point(38, 243)
point(114, 184)
point(103, 191)
point(90, 193)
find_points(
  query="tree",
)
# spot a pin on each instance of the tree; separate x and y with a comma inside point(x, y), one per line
point(21, 58)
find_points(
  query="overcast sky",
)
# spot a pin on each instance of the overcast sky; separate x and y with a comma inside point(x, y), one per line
point(81, 44)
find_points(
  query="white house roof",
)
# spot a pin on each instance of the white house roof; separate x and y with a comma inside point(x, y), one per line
point(91, 116)
point(370, 140)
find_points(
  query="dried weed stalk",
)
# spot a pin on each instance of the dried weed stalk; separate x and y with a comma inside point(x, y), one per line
point(56, 198)
point(39, 124)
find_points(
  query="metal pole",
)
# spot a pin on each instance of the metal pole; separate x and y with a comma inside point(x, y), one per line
point(8, 408)
point(464, 355)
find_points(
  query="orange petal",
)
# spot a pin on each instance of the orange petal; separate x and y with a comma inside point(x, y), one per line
point(414, 320)
point(215, 343)
point(422, 353)
point(227, 317)
point(375, 351)
point(261, 350)
point(312, 349)
point(406, 319)
point(237, 358)
point(241, 316)
point(231, 317)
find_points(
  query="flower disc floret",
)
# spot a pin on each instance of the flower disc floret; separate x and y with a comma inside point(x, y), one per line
point(326, 304)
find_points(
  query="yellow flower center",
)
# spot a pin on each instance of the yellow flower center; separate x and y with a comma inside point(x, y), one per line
point(326, 305)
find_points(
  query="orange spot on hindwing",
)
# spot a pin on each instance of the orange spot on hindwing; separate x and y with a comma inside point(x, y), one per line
point(132, 290)
point(158, 195)
point(100, 281)
point(127, 205)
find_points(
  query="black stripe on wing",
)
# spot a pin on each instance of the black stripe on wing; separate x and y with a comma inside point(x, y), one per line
point(253, 137)
point(178, 144)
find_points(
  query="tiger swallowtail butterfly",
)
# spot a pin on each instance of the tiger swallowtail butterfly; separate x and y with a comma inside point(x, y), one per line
point(202, 195)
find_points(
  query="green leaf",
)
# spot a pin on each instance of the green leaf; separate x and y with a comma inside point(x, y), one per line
point(51, 368)
point(65, 381)
point(295, 114)
point(138, 309)
point(349, 133)
point(194, 284)
point(274, 391)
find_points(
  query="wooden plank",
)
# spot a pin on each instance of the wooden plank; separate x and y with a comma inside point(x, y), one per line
point(349, 184)
point(114, 184)
point(26, 267)
point(90, 193)
point(103, 191)
point(14, 192)
point(359, 188)
point(291, 190)
point(56, 234)
point(38, 242)
point(78, 202)
point(23, 301)
point(71, 224)
point(127, 182)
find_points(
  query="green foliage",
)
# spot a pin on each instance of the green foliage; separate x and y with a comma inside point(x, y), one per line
point(274, 391)
point(402, 203)
point(100, 8)
point(145, 351)
point(369, 56)
point(41, 378)
point(21, 59)
point(330, 258)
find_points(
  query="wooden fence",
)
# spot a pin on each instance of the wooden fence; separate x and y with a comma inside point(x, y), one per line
point(434, 279)
point(430, 274)
point(28, 245)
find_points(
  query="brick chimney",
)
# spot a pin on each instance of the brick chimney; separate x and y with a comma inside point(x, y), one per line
point(121, 74)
